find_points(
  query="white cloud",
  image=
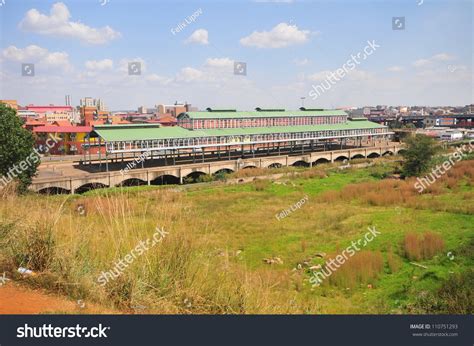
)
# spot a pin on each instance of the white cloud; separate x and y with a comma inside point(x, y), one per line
point(219, 62)
point(99, 65)
point(319, 76)
point(58, 23)
point(282, 35)
point(200, 36)
point(123, 64)
point(158, 79)
point(189, 74)
point(441, 57)
point(395, 69)
point(421, 62)
point(301, 62)
point(38, 55)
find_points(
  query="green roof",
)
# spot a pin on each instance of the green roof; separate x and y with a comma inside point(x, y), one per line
point(155, 133)
point(262, 114)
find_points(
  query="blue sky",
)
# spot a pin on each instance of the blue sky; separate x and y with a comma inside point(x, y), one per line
point(83, 48)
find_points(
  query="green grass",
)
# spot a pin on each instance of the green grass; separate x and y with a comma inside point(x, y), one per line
point(220, 234)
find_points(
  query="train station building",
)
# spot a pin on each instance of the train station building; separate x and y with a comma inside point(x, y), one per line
point(226, 134)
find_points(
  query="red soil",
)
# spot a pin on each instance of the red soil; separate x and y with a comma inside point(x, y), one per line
point(18, 300)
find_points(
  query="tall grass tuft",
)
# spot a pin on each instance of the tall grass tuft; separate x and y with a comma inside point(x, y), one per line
point(362, 268)
point(422, 246)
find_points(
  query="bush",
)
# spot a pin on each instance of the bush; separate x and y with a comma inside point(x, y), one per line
point(422, 246)
point(260, 184)
point(418, 155)
point(455, 296)
point(362, 268)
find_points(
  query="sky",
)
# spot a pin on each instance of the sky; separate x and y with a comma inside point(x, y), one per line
point(187, 52)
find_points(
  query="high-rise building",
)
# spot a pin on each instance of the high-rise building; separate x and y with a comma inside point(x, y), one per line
point(175, 109)
point(91, 102)
point(68, 100)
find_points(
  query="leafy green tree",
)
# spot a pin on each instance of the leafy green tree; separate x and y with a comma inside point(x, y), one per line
point(18, 160)
point(418, 155)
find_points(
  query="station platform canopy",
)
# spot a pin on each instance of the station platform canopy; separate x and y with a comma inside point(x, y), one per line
point(147, 132)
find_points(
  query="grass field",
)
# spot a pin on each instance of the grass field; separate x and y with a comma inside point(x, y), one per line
point(221, 238)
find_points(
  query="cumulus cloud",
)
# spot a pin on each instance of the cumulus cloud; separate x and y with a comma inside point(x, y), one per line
point(219, 62)
point(282, 35)
point(58, 24)
point(200, 36)
point(37, 55)
point(189, 74)
point(155, 78)
point(123, 64)
point(421, 62)
point(99, 65)
point(441, 57)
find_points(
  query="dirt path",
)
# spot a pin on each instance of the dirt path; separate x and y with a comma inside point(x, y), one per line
point(19, 300)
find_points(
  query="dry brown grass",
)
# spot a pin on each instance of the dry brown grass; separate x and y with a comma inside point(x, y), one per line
point(391, 192)
point(394, 262)
point(422, 246)
point(362, 268)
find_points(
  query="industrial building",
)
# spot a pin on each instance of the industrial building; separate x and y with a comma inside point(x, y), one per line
point(218, 134)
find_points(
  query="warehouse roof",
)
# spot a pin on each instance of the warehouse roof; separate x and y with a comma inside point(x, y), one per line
point(152, 132)
point(225, 114)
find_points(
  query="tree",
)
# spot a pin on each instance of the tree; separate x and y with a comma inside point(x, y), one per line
point(18, 159)
point(418, 154)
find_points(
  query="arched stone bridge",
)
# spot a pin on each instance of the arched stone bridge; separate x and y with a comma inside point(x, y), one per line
point(176, 174)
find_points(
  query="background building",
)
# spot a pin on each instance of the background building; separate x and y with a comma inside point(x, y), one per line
point(91, 102)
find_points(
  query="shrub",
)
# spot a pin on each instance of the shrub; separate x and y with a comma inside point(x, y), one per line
point(455, 296)
point(422, 246)
point(260, 185)
point(362, 268)
point(394, 262)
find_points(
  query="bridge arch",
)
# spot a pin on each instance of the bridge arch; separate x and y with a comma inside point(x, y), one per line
point(358, 156)
point(132, 182)
point(223, 171)
point(90, 186)
point(165, 179)
point(275, 165)
point(387, 153)
point(300, 163)
point(341, 158)
point(54, 190)
point(195, 177)
point(321, 161)
point(249, 166)
point(373, 155)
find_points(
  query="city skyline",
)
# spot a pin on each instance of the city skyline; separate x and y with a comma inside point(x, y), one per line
point(187, 53)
